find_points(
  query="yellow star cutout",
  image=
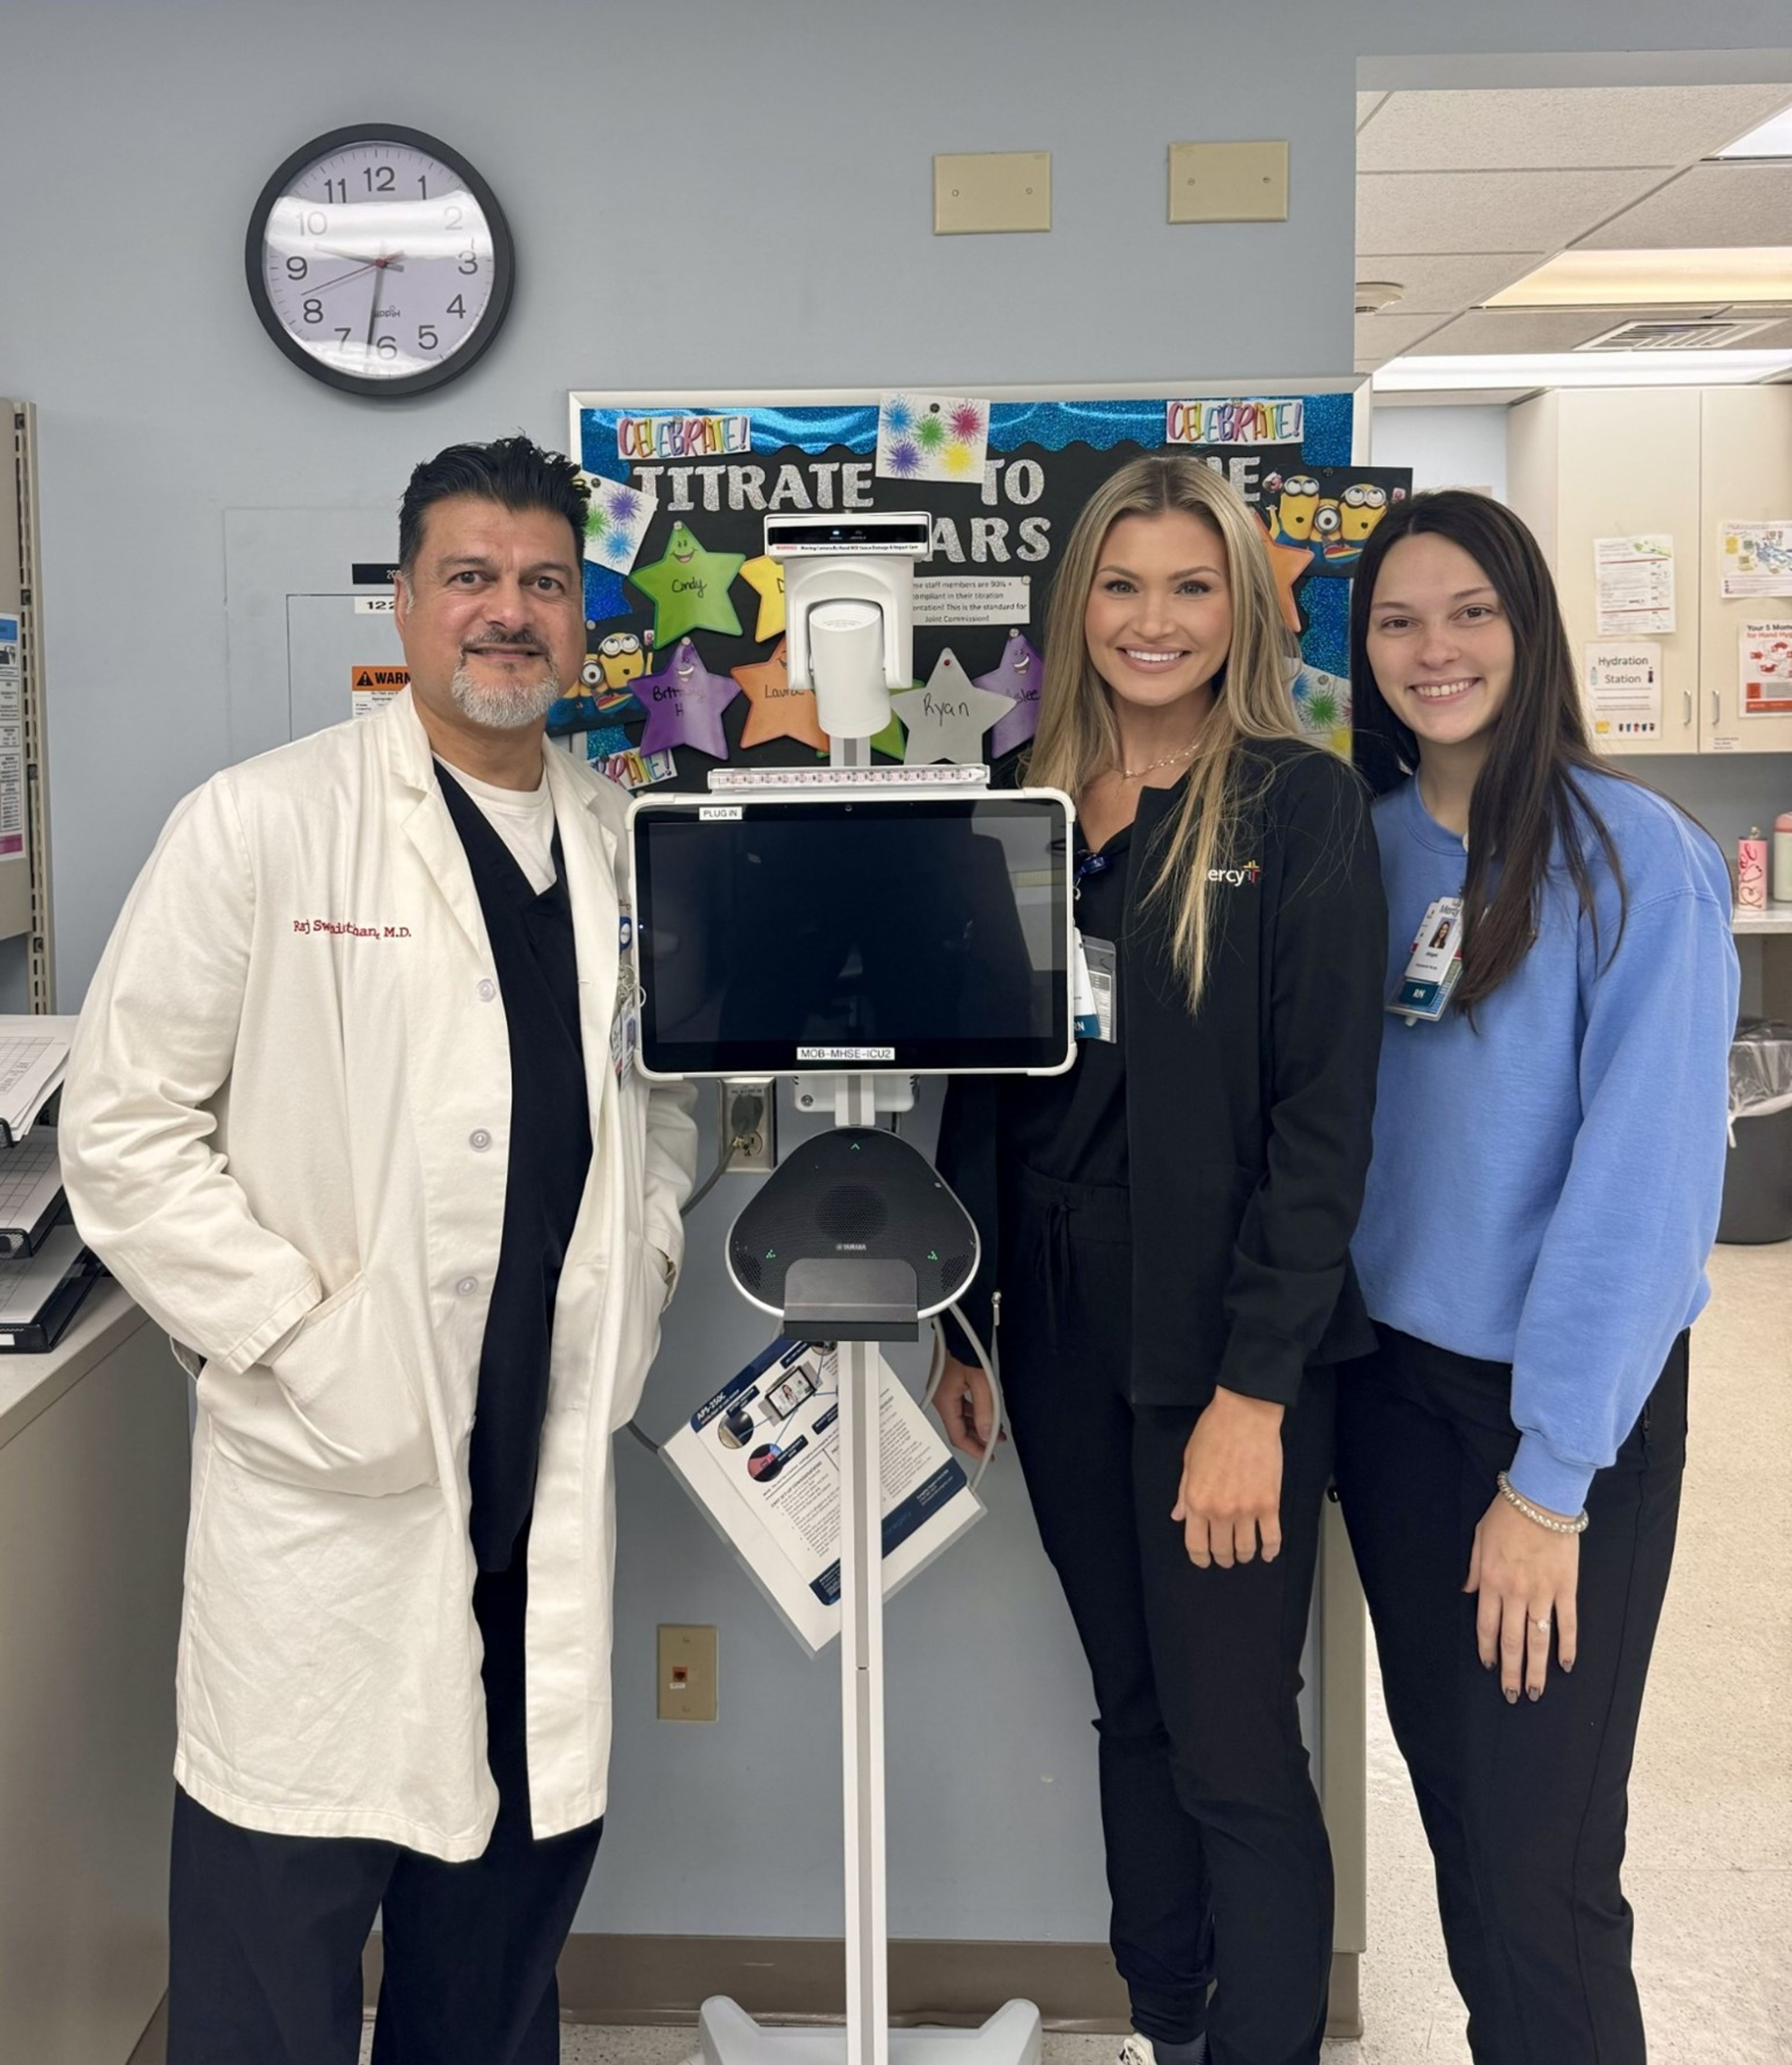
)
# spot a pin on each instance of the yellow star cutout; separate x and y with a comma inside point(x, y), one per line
point(765, 576)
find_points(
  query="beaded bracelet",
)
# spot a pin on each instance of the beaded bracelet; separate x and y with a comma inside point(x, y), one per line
point(1577, 1525)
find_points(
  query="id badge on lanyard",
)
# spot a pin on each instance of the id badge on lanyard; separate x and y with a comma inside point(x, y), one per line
point(1436, 965)
point(1098, 964)
point(625, 1019)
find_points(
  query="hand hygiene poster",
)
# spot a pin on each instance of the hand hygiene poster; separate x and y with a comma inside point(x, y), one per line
point(684, 612)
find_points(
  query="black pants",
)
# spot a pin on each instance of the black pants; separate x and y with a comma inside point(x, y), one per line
point(1524, 1805)
point(1217, 1860)
point(266, 1931)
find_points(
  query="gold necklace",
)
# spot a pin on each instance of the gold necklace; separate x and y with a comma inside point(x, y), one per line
point(1166, 760)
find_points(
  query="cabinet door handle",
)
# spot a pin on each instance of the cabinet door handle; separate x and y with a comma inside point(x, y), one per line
point(1717, 709)
point(1687, 720)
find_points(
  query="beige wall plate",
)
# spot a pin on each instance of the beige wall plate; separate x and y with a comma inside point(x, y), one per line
point(687, 1674)
point(1229, 181)
point(992, 190)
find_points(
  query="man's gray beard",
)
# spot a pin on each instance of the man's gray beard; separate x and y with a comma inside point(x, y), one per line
point(510, 709)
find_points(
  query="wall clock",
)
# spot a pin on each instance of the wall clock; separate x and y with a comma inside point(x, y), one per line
point(379, 260)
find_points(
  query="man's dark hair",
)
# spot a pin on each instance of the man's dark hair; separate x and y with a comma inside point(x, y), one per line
point(511, 471)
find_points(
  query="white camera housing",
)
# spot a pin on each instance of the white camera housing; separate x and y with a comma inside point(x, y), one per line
point(848, 610)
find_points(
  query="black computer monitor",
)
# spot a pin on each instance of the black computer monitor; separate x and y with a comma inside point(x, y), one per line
point(854, 934)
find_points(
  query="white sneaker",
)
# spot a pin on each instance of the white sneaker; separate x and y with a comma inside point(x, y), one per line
point(1139, 2050)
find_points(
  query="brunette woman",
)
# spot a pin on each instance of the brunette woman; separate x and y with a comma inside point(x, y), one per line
point(1549, 1152)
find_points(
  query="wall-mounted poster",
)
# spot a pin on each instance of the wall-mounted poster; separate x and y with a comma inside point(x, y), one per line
point(684, 611)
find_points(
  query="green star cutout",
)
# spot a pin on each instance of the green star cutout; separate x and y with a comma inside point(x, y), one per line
point(689, 589)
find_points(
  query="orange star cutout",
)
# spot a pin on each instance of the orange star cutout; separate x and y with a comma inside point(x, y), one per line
point(777, 710)
point(1287, 562)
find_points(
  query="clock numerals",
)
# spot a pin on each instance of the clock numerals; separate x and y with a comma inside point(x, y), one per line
point(379, 265)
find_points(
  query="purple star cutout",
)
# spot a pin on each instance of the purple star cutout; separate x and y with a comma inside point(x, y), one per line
point(684, 703)
point(1018, 677)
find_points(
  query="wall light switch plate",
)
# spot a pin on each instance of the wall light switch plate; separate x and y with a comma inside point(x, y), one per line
point(686, 1674)
point(1229, 181)
point(992, 190)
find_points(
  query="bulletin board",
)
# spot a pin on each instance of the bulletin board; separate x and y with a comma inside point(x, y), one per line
point(684, 622)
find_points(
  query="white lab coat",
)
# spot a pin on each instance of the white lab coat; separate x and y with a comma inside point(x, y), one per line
point(288, 1102)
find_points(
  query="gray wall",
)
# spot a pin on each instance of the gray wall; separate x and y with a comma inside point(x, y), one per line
point(787, 145)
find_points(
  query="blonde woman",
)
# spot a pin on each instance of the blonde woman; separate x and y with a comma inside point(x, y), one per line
point(1169, 1225)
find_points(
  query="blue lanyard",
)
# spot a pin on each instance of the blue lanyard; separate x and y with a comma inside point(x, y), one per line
point(1091, 863)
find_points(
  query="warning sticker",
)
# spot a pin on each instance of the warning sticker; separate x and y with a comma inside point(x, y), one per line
point(373, 688)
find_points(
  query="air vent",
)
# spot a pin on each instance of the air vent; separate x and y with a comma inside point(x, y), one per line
point(1691, 333)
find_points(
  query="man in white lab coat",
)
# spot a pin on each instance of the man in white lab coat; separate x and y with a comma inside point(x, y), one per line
point(350, 1113)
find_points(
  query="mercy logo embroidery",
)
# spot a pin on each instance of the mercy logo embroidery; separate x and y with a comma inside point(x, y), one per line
point(1236, 877)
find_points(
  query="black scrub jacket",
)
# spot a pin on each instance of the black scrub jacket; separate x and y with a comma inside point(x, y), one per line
point(1248, 1121)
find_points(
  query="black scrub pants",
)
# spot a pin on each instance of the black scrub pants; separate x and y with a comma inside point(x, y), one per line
point(1217, 1862)
point(1524, 1805)
point(266, 1931)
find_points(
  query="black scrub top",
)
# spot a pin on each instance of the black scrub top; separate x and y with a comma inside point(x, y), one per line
point(1073, 1127)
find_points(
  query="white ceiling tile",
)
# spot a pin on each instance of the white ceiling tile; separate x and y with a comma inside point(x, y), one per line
point(1739, 202)
point(1379, 338)
point(1366, 105)
point(1776, 336)
point(1447, 284)
point(1453, 213)
point(1539, 129)
point(1487, 331)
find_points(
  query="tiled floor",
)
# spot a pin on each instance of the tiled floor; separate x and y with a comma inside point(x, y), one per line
point(1710, 1872)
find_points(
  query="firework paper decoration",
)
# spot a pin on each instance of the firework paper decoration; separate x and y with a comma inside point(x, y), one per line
point(932, 437)
point(615, 522)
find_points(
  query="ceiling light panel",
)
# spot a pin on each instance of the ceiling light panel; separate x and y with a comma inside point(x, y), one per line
point(1587, 278)
point(1772, 139)
point(1418, 374)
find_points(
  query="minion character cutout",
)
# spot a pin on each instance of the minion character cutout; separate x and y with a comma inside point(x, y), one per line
point(619, 660)
point(1292, 520)
point(1362, 507)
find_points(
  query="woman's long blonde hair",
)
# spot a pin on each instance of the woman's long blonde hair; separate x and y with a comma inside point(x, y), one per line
point(1077, 738)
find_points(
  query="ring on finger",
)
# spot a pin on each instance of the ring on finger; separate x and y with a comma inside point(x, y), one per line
point(1540, 1621)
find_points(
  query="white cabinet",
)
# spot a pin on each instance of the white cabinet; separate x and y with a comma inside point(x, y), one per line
point(1680, 462)
point(1746, 476)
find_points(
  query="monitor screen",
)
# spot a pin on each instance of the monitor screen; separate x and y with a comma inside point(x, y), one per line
point(929, 935)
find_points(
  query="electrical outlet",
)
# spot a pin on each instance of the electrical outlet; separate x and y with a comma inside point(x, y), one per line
point(747, 1116)
point(687, 1685)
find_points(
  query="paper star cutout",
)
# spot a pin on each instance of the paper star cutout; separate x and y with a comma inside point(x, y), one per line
point(765, 575)
point(1019, 677)
point(1287, 562)
point(778, 710)
point(946, 719)
point(684, 703)
point(688, 588)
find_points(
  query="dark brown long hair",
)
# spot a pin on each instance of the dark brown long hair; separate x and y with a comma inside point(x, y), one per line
point(1530, 807)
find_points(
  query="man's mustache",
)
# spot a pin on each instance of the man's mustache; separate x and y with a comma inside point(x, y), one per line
point(518, 641)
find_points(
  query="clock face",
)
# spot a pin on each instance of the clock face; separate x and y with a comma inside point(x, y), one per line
point(379, 260)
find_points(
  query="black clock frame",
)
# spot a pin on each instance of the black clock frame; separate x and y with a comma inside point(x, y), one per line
point(503, 263)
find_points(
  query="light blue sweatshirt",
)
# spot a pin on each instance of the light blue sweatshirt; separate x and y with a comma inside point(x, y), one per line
point(1546, 1184)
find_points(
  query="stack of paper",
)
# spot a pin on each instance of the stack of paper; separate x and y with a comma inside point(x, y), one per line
point(34, 1056)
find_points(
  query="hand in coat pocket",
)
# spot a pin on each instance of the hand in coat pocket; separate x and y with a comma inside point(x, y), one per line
point(334, 1407)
